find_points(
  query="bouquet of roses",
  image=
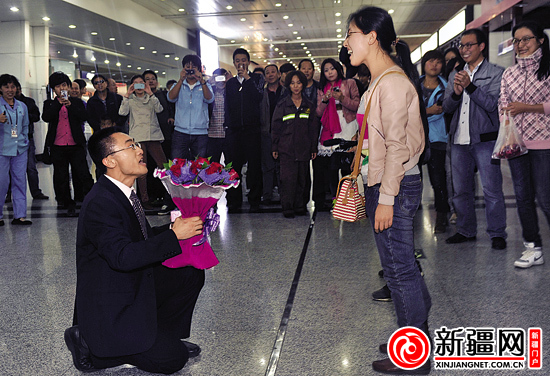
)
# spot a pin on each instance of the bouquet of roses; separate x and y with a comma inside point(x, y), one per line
point(195, 187)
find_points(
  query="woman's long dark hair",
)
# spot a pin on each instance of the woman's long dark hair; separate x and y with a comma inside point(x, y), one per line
point(544, 67)
point(369, 19)
point(323, 80)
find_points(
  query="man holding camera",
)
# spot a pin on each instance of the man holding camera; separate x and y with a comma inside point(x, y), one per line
point(192, 95)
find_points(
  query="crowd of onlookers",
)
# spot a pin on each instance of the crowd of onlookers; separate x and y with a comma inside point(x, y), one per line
point(280, 122)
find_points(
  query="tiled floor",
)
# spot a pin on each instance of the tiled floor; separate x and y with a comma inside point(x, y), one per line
point(333, 327)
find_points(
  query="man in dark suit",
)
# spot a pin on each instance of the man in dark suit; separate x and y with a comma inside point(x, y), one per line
point(130, 309)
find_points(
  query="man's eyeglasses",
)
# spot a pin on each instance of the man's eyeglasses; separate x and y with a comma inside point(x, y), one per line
point(348, 34)
point(523, 40)
point(98, 82)
point(133, 146)
point(466, 45)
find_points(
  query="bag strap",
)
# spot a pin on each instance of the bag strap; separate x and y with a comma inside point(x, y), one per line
point(357, 157)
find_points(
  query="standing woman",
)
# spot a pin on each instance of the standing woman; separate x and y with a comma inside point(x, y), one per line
point(337, 102)
point(14, 120)
point(396, 140)
point(294, 143)
point(143, 107)
point(433, 90)
point(525, 93)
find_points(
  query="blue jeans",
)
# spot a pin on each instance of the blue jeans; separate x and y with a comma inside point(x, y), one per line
point(189, 146)
point(464, 159)
point(396, 250)
point(16, 168)
point(530, 174)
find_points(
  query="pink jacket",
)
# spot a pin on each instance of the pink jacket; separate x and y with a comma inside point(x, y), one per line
point(396, 133)
point(349, 104)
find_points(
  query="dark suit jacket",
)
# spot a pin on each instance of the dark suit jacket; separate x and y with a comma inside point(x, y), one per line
point(96, 110)
point(115, 292)
point(77, 116)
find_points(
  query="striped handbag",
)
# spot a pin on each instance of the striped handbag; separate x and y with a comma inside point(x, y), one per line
point(350, 199)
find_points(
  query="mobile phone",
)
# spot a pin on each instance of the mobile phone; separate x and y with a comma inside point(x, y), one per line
point(64, 94)
point(335, 89)
point(190, 71)
point(139, 86)
point(219, 78)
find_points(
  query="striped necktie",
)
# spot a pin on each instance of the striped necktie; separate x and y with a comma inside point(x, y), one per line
point(140, 214)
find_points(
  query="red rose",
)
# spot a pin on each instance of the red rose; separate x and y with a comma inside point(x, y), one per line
point(180, 162)
point(202, 161)
point(176, 170)
point(196, 166)
point(213, 168)
point(233, 175)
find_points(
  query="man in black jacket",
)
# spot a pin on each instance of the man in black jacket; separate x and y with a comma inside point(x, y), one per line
point(32, 172)
point(243, 95)
point(103, 102)
point(131, 309)
point(65, 137)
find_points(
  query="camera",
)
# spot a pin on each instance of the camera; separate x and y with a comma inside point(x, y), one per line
point(219, 78)
point(335, 89)
point(190, 71)
point(64, 94)
point(139, 86)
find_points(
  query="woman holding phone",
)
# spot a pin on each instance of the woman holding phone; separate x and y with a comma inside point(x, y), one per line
point(337, 102)
point(143, 106)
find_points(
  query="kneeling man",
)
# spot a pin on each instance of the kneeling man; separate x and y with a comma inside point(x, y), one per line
point(130, 309)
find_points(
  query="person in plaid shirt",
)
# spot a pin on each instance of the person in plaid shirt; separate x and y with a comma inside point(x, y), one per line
point(525, 93)
point(217, 143)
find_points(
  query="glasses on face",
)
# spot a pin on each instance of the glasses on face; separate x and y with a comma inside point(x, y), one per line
point(133, 146)
point(466, 45)
point(99, 82)
point(523, 40)
point(348, 34)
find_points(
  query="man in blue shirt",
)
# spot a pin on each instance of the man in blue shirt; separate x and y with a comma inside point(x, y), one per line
point(191, 94)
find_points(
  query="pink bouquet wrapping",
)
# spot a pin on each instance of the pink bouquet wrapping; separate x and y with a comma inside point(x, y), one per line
point(195, 187)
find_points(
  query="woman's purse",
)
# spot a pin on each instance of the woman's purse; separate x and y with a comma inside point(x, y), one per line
point(350, 199)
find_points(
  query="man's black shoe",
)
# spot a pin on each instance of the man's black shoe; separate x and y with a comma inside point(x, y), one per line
point(71, 212)
point(386, 366)
point(194, 350)
point(41, 196)
point(498, 243)
point(77, 346)
point(383, 348)
point(459, 238)
point(382, 295)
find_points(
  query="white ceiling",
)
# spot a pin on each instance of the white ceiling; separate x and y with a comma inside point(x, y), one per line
point(264, 32)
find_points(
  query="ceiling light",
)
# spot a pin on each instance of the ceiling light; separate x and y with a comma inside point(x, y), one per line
point(251, 27)
point(75, 55)
point(106, 61)
point(154, 52)
point(111, 38)
point(242, 47)
point(141, 48)
point(278, 4)
point(181, 10)
point(298, 37)
point(305, 48)
point(46, 18)
point(294, 32)
point(176, 58)
point(233, 41)
point(72, 26)
point(280, 52)
point(229, 7)
point(285, 17)
point(128, 43)
point(138, 68)
point(93, 58)
point(243, 19)
point(276, 49)
point(307, 52)
point(166, 55)
point(156, 71)
point(118, 64)
point(94, 33)
point(391, 11)
point(265, 39)
point(14, 9)
point(129, 66)
point(284, 55)
point(93, 71)
point(290, 25)
point(339, 36)
point(265, 61)
point(338, 14)
point(302, 44)
point(338, 30)
point(338, 22)
point(163, 72)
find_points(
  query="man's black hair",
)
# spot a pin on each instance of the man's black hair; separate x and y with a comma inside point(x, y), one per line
point(287, 67)
point(220, 71)
point(259, 70)
point(81, 83)
point(101, 144)
point(150, 72)
point(99, 76)
point(193, 59)
point(241, 51)
point(57, 78)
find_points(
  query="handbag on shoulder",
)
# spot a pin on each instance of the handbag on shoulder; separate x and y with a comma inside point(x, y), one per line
point(350, 198)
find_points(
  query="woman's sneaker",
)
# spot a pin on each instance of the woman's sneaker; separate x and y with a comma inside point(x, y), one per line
point(531, 256)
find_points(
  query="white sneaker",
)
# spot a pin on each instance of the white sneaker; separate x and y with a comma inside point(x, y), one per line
point(531, 256)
